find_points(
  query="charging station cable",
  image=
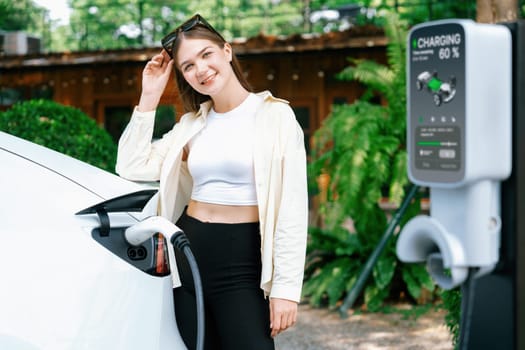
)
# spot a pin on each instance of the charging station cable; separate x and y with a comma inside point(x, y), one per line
point(144, 230)
point(467, 305)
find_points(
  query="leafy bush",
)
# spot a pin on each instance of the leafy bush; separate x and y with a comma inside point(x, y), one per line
point(452, 303)
point(62, 128)
point(362, 148)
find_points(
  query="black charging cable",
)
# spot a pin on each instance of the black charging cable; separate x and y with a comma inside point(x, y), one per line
point(467, 306)
point(180, 241)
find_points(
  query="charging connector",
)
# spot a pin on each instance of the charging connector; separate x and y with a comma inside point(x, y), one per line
point(145, 229)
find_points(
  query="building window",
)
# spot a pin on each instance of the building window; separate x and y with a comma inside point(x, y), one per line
point(164, 120)
point(9, 96)
point(117, 117)
point(115, 120)
point(42, 92)
point(340, 100)
point(303, 117)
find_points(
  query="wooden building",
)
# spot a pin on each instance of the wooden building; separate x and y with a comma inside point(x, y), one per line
point(106, 84)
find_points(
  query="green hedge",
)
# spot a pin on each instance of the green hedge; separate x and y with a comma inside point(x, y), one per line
point(62, 128)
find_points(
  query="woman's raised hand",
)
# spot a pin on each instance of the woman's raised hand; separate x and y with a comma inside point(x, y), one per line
point(155, 76)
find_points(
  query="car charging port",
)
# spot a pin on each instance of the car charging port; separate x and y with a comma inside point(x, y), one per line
point(137, 253)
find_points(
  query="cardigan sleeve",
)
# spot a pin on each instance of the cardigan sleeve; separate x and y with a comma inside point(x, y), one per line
point(292, 220)
point(138, 158)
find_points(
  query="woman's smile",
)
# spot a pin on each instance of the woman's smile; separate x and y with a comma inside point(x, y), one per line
point(209, 79)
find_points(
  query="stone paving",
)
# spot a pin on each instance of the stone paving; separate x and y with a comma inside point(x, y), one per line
point(322, 329)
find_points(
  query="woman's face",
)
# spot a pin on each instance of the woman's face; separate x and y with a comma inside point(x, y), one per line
point(204, 65)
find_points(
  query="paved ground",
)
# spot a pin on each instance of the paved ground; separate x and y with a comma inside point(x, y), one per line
point(322, 329)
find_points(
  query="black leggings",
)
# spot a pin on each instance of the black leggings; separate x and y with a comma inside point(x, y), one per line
point(229, 259)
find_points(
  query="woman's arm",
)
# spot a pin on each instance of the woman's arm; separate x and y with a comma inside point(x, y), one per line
point(291, 232)
point(289, 242)
point(138, 158)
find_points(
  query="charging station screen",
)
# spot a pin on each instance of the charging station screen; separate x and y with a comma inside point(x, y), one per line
point(437, 102)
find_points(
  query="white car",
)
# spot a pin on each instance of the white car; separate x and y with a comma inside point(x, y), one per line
point(69, 279)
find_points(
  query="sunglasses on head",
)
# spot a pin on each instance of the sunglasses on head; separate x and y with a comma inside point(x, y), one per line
point(168, 41)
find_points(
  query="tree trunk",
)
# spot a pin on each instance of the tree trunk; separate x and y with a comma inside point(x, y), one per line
point(495, 11)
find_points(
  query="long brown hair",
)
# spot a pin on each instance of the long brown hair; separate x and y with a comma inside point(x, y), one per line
point(191, 99)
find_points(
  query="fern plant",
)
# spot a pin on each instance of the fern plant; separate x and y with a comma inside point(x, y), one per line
point(452, 303)
point(361, 146)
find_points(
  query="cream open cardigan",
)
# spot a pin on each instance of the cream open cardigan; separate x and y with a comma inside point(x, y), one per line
point(280, 176)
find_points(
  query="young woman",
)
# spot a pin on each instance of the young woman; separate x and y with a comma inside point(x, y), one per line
point(232, 176)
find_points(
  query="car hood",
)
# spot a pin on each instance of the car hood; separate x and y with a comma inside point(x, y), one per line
point(100, 182)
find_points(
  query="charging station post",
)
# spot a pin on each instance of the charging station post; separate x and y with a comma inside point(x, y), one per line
point(498, 310)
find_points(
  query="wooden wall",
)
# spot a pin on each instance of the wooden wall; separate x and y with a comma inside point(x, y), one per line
point(102, 83)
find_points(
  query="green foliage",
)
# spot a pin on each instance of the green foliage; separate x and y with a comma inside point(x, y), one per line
point(111, 24)
point(19, 15)
point(329, 271)
point(107, 24)
point(62, 128)
point(423, 11)
point(452, 303)
point(362, 147)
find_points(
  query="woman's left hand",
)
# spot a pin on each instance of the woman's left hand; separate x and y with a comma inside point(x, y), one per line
point(283, 314)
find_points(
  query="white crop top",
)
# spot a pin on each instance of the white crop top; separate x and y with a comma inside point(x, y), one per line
point(220, 157)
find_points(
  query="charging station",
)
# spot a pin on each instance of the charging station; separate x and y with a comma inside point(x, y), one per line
point(465, 112)
point(459, 131)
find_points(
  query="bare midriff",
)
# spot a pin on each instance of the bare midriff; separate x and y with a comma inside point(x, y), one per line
point(219, 213)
